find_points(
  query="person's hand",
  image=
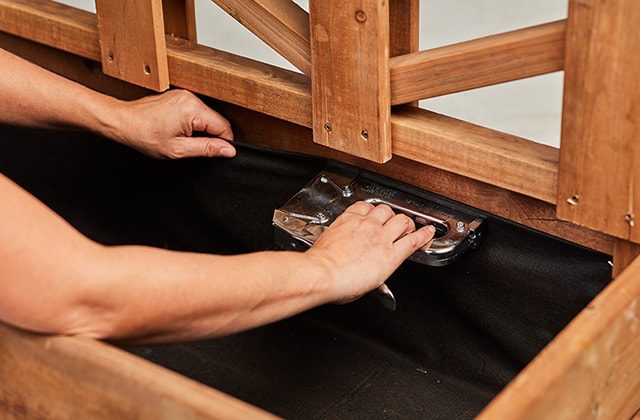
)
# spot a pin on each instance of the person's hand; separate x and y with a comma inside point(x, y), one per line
point(175, 124)
point(364, 246)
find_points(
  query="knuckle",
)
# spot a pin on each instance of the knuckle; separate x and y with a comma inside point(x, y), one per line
point(175, 150)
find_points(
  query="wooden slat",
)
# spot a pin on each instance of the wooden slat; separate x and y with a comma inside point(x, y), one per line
point(281, 24)
point(599, 180)
point(75, 30)
point(76, 378)
point(350, 83)
point(590, 370)
point(132, 42)
point(404, 26)
point(481, 62)
point(286, 95)
point(476, 152)
point(274, 91)
point(266, 131)
point(180, 19)
point(258, 128)
point(624, 253)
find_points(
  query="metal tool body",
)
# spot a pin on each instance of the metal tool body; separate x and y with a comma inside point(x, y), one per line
point(302, 219)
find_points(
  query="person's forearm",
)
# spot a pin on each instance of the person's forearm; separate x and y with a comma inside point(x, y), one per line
point(155, 295)
point(54, 280)
point(34, 97)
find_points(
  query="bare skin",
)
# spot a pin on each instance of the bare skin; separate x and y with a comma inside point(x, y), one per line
point(55, 280)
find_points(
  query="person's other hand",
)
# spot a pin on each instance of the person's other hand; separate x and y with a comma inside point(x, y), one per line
point(175, 124)
point(364, 246)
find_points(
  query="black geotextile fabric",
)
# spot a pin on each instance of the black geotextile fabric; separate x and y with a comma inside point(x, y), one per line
point(460, 332)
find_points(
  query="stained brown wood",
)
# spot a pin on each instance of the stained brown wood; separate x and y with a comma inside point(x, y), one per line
point(274, 91)
point(481, 62)
point(262, 130)
point(71, 377)
point(404, 26)
point(467, 149)
point(75, 29)
point(590, 370)
point(350, 84)
point(180, 19)
point(599, 176)
point(283, 25)
point(135, 52)
point(624, 253)
point(423, 137)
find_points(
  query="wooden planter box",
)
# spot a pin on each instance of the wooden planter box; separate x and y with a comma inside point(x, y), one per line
point(590, 369)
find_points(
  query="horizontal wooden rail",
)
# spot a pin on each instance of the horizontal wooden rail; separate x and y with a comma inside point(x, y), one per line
point(73, 377)
point(476, 152)
point(453, 68)
point(420, 135)
point(477, 63)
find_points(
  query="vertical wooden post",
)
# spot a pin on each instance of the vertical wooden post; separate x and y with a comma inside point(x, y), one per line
point(599, 173)
point(624, 253)
point(350, 76)
point(404, 26)
point(132, 42)
point(180, 18)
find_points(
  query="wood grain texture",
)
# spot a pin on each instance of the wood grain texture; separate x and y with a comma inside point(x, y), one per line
point(272, 90)
point(476, 152)
point(281, 24)
point(599, 178)
point(260, 129)
point(180, 19)
point(590, 370)
point(350, 83)
point(76, 378)
point(132, 42)
point(419, 135)
point(624, 253)
point(37, 20)
point(481, 62)
point(404, 27)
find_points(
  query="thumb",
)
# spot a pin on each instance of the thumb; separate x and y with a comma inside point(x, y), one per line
point(205, 147)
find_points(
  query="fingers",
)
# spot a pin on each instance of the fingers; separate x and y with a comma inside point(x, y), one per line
point(414, 241)
point(184, 147)
point(397, 228)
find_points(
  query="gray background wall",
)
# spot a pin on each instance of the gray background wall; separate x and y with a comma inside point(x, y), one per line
point(529, 108)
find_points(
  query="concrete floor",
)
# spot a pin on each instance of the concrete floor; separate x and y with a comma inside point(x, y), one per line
point(529, 108)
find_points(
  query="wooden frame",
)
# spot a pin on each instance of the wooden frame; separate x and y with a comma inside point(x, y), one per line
point(589, 181)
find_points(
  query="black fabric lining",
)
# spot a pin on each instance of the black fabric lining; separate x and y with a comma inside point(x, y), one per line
point(460, 333)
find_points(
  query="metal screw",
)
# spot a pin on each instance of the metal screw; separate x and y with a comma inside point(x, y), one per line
point(327, 127)
point(365, 134)
point(285, 219)
point(147, 70)
point(573, 200)
point(322, 217)
point(629, 219)
point(460, 227)
point(346, 191)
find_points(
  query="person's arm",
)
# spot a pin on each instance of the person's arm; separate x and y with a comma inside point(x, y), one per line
point(159, 125)
point(54, 280)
